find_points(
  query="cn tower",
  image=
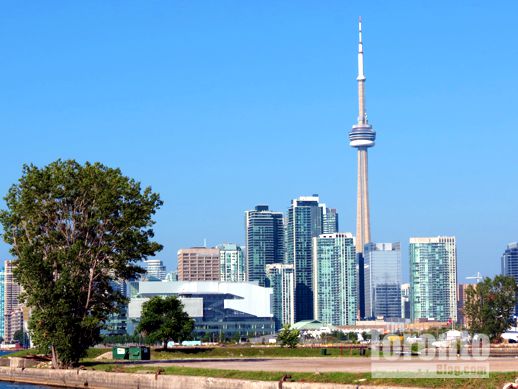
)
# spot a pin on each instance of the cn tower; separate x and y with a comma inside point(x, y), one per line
point(362, 137)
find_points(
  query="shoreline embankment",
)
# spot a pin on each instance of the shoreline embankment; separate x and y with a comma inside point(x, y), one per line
point(91, 379)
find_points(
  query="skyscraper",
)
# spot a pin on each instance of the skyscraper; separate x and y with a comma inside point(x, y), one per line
point(433, 278)
point(231, 263)
point(2, 303)
point(13, 317)
point(330, 222)
point(334, 282)
point(198, 264)
point(305, 220)
point(510, 261)
point(362, 137)
point(382, 273)
point(510, 264)
point(405, 301)
point(280, 279)
point(155, 268)
point(264, 235)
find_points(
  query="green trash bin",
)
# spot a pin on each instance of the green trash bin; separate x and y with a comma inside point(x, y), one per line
point(120, 352)
point(323, 351)
point(140, 353)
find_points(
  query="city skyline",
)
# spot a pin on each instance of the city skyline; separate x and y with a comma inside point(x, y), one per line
point(154, 98)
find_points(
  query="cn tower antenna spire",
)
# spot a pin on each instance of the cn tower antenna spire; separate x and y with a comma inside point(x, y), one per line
point(362, 113)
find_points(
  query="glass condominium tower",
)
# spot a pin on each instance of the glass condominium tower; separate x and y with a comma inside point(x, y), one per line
point(510, 264)
point(433, 278)
point(264, 241)
point(231, 263)
point(305, 220)
point(382, 280)
point(334, 283)
point(280, 279)
point(155, 268)
point(2, 303)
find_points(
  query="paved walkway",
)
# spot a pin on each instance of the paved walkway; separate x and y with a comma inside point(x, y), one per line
point(345, 364)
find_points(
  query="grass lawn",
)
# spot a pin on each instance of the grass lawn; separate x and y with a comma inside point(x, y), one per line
point(91, 353)
point(496, 380)
point(250, 352)
point(20, 353)
point(221, 352)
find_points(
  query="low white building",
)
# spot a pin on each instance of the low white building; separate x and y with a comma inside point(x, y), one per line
point(220, 309)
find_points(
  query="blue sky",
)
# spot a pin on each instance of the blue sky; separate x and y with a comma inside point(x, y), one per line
point(221, 105)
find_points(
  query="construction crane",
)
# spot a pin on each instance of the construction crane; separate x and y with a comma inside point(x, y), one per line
point(478, 277)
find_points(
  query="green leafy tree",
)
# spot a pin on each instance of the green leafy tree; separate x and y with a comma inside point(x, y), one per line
point(75, 229)
point(288, 336)
point(352, 336)
point(338, 335)
point(163, 319)
point(489, 306)
point(21, 337)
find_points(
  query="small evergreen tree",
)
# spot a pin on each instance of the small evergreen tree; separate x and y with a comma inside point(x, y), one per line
point(288, 336)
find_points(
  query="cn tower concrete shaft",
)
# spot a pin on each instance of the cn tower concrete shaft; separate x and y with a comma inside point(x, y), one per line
point(363, 227)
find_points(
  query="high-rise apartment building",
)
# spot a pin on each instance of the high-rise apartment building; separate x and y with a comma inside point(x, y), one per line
point(155, 269)
point(198, 264)
point(2, 303)
point(281, 279)
point(330, 220)
point(433, 278)
point(232, 263)
point(510, 261)
point(382, 280)
point(264, 241)
point(334, 278)
point(510, 264)
point(12, 289)
point(405, 301)
point(305, 220)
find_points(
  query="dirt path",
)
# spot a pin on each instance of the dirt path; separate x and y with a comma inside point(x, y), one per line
point(351, 365)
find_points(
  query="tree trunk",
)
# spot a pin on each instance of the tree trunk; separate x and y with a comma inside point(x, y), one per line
point(165, 345)
point(55, 360)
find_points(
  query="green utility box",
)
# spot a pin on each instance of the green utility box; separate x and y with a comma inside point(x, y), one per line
point(140, 353)
point(323, 351)
point(120, 352)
